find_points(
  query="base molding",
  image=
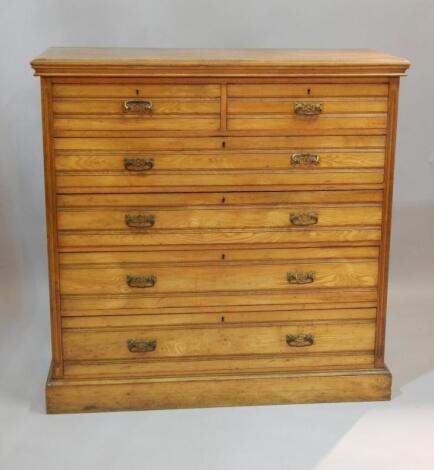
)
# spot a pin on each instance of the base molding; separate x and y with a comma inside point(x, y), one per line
point(90, 395)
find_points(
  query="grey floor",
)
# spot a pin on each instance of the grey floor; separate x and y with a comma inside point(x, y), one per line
point(387, 435)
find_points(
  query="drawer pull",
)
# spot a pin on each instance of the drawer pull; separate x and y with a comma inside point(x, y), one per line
point(297, 277)
point(138, 106)
point(142, 345)
point(140, 221)
point(141, 282)
point(308, 109)
point(299, 341)
point(138, 164)
point(303, 218)
point(304, 159)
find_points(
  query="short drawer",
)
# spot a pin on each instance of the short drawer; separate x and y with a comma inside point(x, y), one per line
point(299, 339)
point(308, 108)
point(86, 109)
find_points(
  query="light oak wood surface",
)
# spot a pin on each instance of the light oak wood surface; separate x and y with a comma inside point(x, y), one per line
point(225, 211)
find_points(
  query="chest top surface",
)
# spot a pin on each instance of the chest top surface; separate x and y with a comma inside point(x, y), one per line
point(137, 61)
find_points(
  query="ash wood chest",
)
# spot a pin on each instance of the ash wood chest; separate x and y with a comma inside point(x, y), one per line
point(218, 225)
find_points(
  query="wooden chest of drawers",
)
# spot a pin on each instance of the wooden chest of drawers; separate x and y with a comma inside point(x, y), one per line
point(218, 225)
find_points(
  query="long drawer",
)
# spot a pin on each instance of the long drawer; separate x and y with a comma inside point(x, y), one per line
point(147, 275)
point(193, 164)
point(148, 220)
point(156, 218)
point(303, 338)
point(201, 281)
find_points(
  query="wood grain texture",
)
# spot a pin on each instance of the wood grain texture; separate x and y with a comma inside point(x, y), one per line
point(82, 305)
point(51, 221)
point(198, 366)
point(218, 341)
point(386, 225)
point(215, 199)
point(216, 62)
point(224, 316)
point(80, 163)
point(217, 278)
point(222, 218)
point(69, 396)
point(232, 170)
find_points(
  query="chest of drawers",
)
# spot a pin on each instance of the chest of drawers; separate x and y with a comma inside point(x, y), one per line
point(218, 225)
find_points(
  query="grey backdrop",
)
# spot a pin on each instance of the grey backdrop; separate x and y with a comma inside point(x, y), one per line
point(27, 27)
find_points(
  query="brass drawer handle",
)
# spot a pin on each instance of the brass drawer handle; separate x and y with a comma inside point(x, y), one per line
point(303, 218)
point(140, 221)
point(304, 159)
point(308, 109)
point(141, 282)
point(138, 106)
point(299, 341)
point(299, 277)
point(142, 345)
point(138, 164)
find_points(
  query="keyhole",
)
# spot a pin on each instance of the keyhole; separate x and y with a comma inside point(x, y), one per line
point(308, 91)
point(223, 144)
point(223, 319)
point(223, 256)
point(137, 92)
point(223, 200)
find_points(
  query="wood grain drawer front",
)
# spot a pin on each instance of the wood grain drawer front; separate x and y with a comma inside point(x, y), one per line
point(114, 267)
point(307, 108)
point(157, 219)
point(218, 277)
point(88, 109)
point(219, 341)
point(154, 163)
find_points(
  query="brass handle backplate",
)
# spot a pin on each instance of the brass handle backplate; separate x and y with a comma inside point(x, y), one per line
point(138, 164)
point(308, 109)
point(142, 345)
point(138, 106)
point(299, 341)
point(140, 221)
point(303, 218)
point(304, 159)
point(298, 277)
point(141, 282)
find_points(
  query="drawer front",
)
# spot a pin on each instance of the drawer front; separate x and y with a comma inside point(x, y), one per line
point(307, 108)
point(150, 279)
point(300, 339)
point(258, 267)
point(215, 219)
point(156, 219)
point(89, 108)
point(194, 164)
point(155, 163)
